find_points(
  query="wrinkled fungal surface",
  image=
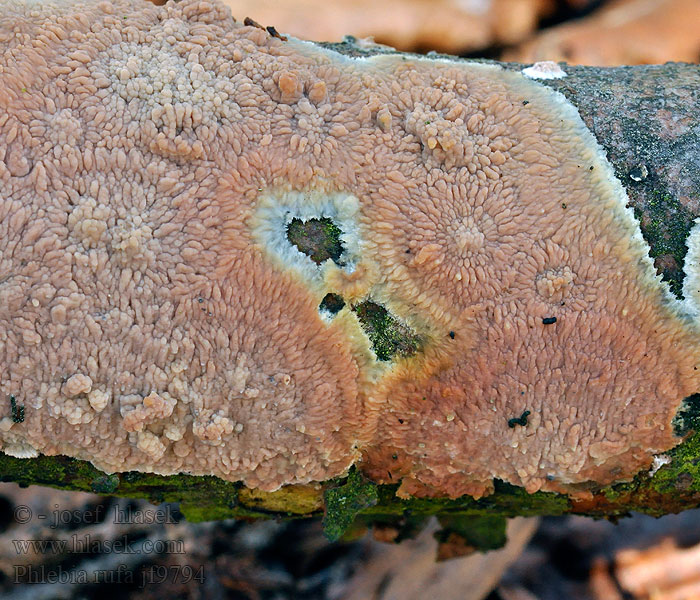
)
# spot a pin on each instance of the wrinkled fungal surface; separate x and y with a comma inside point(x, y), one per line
point(155, 314)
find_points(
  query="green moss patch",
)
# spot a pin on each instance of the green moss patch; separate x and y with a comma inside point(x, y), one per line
point(319, 239)
point(354, 501)
point(345, 502)
point(105, 484)
point(389, 337)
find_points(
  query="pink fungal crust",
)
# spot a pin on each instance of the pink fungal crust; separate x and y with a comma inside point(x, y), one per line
point(145, 323)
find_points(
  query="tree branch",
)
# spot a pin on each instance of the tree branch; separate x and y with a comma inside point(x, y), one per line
point(646, 118)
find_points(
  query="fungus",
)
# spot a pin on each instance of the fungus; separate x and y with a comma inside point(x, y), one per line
point(546, 69)
point(76, 385)
point(157, 315)
point(152, 408)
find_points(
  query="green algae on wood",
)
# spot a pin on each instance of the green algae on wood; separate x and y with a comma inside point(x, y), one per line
point(345, 502)
point(672, 488)
point(390, 337)
point(319, 239)
point(665, 225)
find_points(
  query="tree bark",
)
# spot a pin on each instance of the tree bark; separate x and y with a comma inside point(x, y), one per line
point(647, 119)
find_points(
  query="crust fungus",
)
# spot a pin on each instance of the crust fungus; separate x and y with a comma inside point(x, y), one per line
point(160, 311)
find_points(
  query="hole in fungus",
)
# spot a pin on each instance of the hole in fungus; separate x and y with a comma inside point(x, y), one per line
point(331, 304)
point(16, 410)
point(388, 335)
point(687, 418)
point(319, 239)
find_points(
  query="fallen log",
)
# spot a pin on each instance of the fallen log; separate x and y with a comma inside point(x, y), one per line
point(265, 277)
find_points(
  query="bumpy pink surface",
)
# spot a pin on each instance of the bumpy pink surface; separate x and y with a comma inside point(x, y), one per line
point(149, 320)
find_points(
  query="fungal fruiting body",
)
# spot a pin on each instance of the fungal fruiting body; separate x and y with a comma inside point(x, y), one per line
point(155, 316)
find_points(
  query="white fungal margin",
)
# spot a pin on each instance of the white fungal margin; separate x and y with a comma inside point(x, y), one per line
point(691, 266)
point(20, 450)
point(277, 209)
point(546, 69)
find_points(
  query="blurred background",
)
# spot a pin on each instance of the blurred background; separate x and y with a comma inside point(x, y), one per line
point(56, 545)
point(585, 32)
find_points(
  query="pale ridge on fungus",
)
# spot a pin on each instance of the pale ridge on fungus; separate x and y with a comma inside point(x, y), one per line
point(275, 211)
point(20, 450)
point(691, 267)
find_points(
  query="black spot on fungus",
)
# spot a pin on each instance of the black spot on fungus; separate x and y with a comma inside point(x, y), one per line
point(332, 303)
point(549, 320)
point(319, 239)
point(16, 410)
point(521, 420)
point(452, 335)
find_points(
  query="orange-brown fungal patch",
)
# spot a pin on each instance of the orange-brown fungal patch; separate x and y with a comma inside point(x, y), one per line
point(524, 252)
point(154, 314)
point(132, 331)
